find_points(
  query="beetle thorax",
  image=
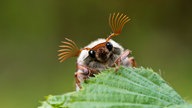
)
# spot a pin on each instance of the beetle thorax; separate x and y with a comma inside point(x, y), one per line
point(103, 57)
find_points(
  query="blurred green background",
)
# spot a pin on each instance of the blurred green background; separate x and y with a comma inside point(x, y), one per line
point(159, 34)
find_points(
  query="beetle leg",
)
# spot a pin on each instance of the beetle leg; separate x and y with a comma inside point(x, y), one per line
point(132, 61)
point(82, 74)
point(129, 62)
point(79, 77)
point(121, 58)
point(124, 60)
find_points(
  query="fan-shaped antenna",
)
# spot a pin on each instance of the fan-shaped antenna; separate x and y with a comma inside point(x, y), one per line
point(116, 22)
point(68, 49)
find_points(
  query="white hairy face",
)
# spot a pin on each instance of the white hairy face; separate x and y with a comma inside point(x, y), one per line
point(84, 53)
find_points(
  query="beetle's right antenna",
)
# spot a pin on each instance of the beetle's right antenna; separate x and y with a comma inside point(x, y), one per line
point(116, 22)
point(68, 49)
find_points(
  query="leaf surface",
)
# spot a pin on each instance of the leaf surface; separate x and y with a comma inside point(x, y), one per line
point(128, 87)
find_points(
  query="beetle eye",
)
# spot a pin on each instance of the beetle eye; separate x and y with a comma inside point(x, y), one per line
point(109, 46)
point(92, 53)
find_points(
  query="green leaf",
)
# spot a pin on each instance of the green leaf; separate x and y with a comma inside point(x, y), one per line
point(128, 87)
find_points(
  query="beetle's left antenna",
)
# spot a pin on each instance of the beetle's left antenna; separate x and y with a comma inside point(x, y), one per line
point(116, 22)
point(68, 49)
